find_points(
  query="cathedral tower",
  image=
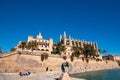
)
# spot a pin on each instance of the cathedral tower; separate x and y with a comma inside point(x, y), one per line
point(64, 38)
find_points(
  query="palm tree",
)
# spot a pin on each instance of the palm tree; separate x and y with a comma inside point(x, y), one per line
point(22, 45)
point(102, 51)
point(86, 50)
point(62, 49)
point(59, 48)
point(32, 45)
point(76, 51)
point(13, 49)
point(93, 52)
point(89, 51)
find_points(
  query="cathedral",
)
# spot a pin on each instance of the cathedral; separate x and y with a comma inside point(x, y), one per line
point(69, 43)
point(47, 45)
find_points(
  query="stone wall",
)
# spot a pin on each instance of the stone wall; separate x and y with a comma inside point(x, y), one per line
point(17, 63)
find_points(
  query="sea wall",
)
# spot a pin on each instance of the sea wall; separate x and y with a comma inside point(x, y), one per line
point(17, 63)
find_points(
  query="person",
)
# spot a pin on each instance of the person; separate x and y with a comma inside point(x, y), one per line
point(29, 73)
point(21, 73)
point(47, 69)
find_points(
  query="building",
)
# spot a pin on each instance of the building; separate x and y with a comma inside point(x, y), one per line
point(43, 44)
point(69, 43)
point(111, 57)
point(108, 57)
point(116, 58)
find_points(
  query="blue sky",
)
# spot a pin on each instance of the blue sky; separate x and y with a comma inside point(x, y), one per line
point(90, 20)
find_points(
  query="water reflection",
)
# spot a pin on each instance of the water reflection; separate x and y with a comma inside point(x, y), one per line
point(100, 75)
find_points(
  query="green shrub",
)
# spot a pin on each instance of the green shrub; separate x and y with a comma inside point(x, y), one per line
point(106, 62)
point(42, 57)
point(97, 60)
point(45, 56)
point(82, 58)
point(87, 60)
point(64, 57)
point(72, 58)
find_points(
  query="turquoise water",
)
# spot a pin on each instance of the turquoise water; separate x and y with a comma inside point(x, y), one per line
point(100, 75)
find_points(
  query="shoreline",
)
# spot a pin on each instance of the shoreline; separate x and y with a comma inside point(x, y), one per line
point(94, 70)
point(14, 64)
point(49, 75)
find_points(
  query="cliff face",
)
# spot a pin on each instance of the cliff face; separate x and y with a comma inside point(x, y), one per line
point(17, 63)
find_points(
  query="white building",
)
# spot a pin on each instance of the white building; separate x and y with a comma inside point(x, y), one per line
point(43, 44)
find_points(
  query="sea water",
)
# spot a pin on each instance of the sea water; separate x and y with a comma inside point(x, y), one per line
point(113, 74)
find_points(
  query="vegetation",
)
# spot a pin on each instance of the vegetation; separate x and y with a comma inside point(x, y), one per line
point(87, 60)
point(0, 49)
point(82, 58)
point(89, 51)
point(32, 45)
point(97, 60)
point(102, 51)
point(64, 57)
point(22, 45)
point(19, 52)
point(59, 48)
point(44, 56)
point(77, 51)
point(13, 49)
point(72, 58)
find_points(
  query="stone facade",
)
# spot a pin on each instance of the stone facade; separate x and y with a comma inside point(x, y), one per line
point(116, 58)
point(47, 45)
point(111, 57)
point(43, 45)
point(69, 43)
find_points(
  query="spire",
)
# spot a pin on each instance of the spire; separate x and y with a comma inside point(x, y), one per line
point(64, 34)
point(91, 43)
point(60, 37)
point(96, 45)
point(39, 36)
point(69, 37)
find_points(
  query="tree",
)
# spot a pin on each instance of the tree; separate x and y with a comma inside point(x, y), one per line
point(22, 45)
point(59, 48)
point(86, 50)
point(64, 57)
point(13, 49)
point(76, 51)
point(72, 57)
point(32, 45)
point(0, 49)
point(93, 52)
point(102, 51)
point(89, 51)
point(44, 56)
